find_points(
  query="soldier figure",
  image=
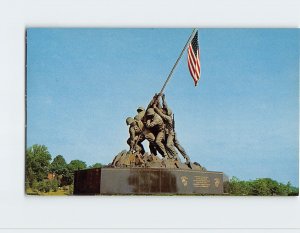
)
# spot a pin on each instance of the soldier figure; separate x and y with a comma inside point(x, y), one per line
point(140, 120)
point(141, 114)
point(135, 136)
point(166, 115)
point(176, 143)
point(155, 125)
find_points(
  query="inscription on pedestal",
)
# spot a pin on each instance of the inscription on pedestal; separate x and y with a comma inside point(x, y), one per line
point(201, 182)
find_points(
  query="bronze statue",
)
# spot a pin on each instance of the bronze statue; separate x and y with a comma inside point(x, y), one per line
point(157, 125)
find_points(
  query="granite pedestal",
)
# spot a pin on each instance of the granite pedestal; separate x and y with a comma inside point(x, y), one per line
point(146, 181)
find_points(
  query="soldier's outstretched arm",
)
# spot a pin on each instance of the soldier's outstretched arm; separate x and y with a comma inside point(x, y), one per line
point(164, 102)
point(152, 102)
point(161, 114)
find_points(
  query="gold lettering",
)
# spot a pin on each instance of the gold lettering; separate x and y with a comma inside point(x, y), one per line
point(201, 182)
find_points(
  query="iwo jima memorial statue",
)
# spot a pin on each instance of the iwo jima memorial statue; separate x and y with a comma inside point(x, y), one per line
point(138, 172)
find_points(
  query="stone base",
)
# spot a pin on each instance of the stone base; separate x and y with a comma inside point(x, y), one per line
point(146, 181)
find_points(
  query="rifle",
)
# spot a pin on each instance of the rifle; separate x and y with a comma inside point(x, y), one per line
point(173, 123)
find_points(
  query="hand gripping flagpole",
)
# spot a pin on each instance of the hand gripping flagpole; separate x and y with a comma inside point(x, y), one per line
point(171, 72)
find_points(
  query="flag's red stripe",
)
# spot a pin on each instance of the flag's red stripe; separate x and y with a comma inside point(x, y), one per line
point(193, 55)
point(194, 60)
point(193, 73)
point(194, 67)
point(194, 63)
point(198, 60)
point(191, 69)
point(197, 65)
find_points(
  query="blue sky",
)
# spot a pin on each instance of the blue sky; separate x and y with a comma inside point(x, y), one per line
point(241, 119)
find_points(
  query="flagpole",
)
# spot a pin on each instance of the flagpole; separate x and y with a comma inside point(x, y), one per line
point(171, 72)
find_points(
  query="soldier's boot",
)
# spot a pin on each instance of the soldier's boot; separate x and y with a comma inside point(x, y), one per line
point(163, 153)
point(161, 149)
point(164, 162)
point(152, 148)
point(176, 164)
point(139, 159)
point(188, 162)
point(142, 150)
point(190, 165)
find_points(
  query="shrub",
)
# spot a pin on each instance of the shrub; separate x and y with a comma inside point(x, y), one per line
point(71, 189)
point(54, 185)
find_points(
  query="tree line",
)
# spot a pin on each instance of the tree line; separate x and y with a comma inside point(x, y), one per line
point(42, 174)
point(259, 187)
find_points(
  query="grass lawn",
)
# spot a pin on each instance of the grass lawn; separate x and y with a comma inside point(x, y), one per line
point(59, 192)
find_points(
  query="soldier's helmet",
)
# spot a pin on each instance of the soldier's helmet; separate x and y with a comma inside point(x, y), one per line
point(169, 112)
point(129, 120)
point(140, 109)
point(150, 112)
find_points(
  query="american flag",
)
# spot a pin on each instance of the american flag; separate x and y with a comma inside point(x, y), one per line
point(194, 59)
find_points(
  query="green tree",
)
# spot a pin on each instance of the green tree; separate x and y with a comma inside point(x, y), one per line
point(47, 186)
point(237, 187)
point(44, 186)
point(294, 191)
point(261, 187)
point(35, 185)
point(59, 167)
point(265, 187)
point(37, 161)
point(74, 165)
point(96, 165)
point(71, 189)
point(54, 185)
